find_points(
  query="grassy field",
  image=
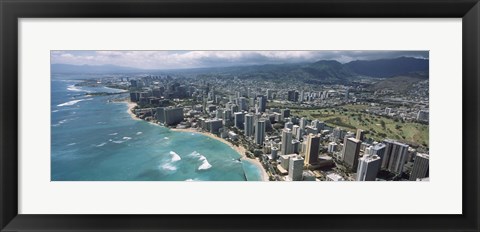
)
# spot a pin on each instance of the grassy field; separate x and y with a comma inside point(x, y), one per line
point(351, 117)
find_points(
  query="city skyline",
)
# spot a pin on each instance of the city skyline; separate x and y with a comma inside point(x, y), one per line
point(321, 120)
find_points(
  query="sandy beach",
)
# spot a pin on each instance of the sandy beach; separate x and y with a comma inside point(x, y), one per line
point(240, 149)
point(131, 105)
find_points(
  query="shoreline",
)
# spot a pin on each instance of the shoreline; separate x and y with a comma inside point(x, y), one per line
point(240, 149)
point(131, 105)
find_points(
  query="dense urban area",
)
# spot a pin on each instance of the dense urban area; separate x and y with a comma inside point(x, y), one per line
point(298, 131)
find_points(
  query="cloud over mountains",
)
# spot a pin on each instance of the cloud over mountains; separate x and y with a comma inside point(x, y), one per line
point(202, 59)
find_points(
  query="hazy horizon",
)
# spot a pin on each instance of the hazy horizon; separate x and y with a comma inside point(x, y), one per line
point(165, 60)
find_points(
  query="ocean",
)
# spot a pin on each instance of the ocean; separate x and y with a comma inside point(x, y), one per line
point(93, 139)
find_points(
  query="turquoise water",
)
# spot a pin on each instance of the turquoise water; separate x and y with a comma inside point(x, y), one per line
point(96, 140)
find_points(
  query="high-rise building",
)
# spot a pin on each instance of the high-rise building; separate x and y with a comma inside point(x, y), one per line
point(285, 160)
point(360, 134)
point(347, 93)
point(214, 125)
point(262, 103)
point(336, 134)
point(219, 114)
point(260, 132)
point(239, 120)
point(274, 153)
point(291, 95)
point(303, 123)
point(332, 147)
point(285, 113)
point(242, 103)
point(351, 153)
point(296, 131)
point(234, 108)
point(295, 168)
point(311, 130)
point(270, 94)
point(420, 166)
point(377, 149)
point(160, 114)
point(394, 156)
point(348, 135)
point(318, 124)
point(301, 96)
point(368, 167)
point(249, 126)
point(134, 96)
point(286, 147)
point(423, 115)
point(296, 146)
point(173, 115)
point(169, 115)
point(251, 102)
point(289, 125)
point(313, 147)
point(227, 118)
point(133, 83)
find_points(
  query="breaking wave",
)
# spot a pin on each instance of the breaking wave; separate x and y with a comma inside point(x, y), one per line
point(73, 102)
point(101, 145)
point(168, 167)
point(74, 88)
point(114, 141)
point(205, 164)
point(175, 156)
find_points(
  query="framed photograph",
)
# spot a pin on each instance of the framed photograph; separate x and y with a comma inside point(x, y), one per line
point(239, 115)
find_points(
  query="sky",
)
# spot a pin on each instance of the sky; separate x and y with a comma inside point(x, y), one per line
point(202, 59)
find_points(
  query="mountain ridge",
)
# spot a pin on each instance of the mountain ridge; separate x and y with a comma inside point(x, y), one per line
point(321, 71)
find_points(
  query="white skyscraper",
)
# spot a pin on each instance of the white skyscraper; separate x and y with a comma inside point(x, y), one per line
point(295, 168)
point(420, 166)
point(368, 167)
point(394, 156)
point(303, 123)
point(286, 141)
point(249, 126)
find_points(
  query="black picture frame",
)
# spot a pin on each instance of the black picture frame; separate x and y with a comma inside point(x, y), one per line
point(12, 10)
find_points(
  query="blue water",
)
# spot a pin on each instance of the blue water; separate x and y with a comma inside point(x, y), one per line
point(96, 140)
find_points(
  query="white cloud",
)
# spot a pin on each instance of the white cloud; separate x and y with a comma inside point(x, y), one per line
point(195, 59)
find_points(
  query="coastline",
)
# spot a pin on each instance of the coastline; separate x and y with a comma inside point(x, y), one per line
point(131, 105)
point(240, 149)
